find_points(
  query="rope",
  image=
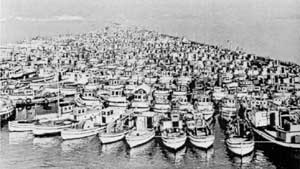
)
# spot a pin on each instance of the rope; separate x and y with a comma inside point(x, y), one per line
point(270, 142)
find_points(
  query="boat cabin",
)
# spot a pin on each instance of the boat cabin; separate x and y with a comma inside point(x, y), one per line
point(145, 120)
point(173, 122)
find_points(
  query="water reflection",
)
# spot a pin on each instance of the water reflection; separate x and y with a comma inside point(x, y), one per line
point(18, 150)
point(202, 154)
point(175, 157)
point(46, 142)
point(113, 148)
point(242, 161)
point(19, 137)
point(74, 145)
point(279, 156)
point(142, 150)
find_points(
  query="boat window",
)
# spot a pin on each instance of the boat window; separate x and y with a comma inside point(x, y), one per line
point(175, 124)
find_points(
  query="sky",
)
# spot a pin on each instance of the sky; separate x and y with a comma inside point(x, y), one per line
point(264, 27)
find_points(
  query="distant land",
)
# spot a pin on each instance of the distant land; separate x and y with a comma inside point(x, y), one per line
point(267, 28)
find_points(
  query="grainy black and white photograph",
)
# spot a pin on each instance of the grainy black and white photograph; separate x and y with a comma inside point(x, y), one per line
point(150, 84)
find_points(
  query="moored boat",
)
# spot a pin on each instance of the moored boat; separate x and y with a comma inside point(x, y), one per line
point(279, 127)
point(21, 125)
point(83, 129)
point(143, 132)
point(136, 138)
point(52, 127)
point(172, 133)
point(116, 130)
point(199, 133)
point(240, 139)
point(6, 110)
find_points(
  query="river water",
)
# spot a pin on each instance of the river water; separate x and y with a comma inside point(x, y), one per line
point(22, 150)
point(264, 27)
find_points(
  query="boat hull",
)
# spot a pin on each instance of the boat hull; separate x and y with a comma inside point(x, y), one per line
point(204, 142)
point(134, 141)
point(268, 137)
point(106, 138)
point(69, 134)
point(240, 146)
point(15, 126)
point(47, 130)
point(175, 142)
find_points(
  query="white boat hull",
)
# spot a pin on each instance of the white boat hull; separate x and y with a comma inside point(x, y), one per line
point(270, 138)
point(114, 104)
point(48, 130)
point(69, 134)
point(202, 141)
point(14, 126)
point(174, 143)
point(208, 114)
point(240, 146)
point(134, 140)
point(106, 138)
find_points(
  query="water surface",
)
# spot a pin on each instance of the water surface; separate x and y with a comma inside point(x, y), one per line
point(22, 150)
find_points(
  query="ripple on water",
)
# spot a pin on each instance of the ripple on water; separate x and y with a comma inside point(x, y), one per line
point(22, 150)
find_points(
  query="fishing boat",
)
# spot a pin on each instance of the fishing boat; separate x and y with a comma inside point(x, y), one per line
point(205, 106)
point(172, 133)
point(85, 128)
point(179, 96)
point(6, 110)
point(199, 133)
point(52, 127)
point(240, 139)
point(279, 127)
point(88, 98)
point(116, 90)
point(161, 100)
point(21, 125)
point(229, 108)
point(137, 137)
point(55, 126)
point(141, 98)
point(143, 132)
point(116, 130)
point(219, 93)
point(20, 95)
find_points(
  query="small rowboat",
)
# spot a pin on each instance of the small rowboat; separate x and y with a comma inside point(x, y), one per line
point(136, 138)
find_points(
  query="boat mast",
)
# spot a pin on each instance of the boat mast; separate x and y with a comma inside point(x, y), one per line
point(58, 94)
